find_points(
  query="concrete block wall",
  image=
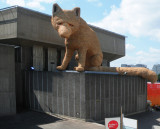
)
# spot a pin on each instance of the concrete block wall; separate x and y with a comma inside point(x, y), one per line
point(7, 81)
point(85, 95)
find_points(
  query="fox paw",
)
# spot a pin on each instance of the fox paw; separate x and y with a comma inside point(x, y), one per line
point(60, 68)
point(79, 69)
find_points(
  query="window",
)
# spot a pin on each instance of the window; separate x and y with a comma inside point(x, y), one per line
point(18, 54)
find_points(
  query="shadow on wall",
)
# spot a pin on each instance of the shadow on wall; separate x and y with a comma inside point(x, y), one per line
point(39, 92)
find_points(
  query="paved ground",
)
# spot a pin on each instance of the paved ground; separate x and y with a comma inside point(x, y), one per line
point(147, 119)
point(35, 120)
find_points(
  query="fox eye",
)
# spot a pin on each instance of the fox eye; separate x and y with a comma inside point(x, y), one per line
point(70, 25)
point(60, 23)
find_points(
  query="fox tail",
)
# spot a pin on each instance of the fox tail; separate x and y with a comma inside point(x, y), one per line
point(134, 71)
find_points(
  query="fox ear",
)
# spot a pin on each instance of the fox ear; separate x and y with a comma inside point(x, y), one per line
point(77, 11)
point(56, 8)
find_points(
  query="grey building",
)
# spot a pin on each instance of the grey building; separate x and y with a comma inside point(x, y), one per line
point(141, 65)
point(156, 68)
point(131, 65)
point(124, 65)
point(7, 81)
point(31, 41)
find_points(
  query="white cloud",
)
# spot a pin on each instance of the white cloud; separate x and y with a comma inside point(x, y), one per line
point(137, 17)
point(97, 2)
point(130, 47)
point(149, 58)
point(16, 2)
point(35, 4)
point(39, 3)
point(45, 1)
point(154, 50)
point(155, 34)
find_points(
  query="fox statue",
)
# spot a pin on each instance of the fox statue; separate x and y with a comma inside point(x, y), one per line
point(81, 38)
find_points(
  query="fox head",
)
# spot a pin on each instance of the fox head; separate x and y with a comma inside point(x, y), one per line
point(66, 22)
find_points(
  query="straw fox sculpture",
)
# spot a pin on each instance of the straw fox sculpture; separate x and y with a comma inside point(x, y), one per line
point(81, 38)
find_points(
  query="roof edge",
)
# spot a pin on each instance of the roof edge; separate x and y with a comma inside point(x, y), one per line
point(96, 27)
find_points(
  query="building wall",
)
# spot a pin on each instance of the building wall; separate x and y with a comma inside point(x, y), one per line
point(7, 81)
point(132, 65)
point(8, 23)
point(156, 68)
point(37, 27)
point(110, 43)
point(85, 95)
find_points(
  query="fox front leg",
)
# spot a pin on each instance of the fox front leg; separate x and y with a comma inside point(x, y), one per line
point(66, 59)
point(81, 60)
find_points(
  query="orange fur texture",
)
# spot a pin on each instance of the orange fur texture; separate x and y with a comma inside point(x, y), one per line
point(81, 38)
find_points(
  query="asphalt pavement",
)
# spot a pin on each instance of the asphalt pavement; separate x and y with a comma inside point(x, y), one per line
point(36, 120)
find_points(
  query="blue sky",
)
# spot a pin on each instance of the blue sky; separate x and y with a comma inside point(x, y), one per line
point(139, 20)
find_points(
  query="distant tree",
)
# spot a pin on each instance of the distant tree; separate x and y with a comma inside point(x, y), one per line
point(158, 78)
